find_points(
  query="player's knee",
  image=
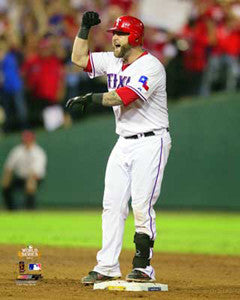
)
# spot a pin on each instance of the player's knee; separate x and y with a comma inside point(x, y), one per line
point(139, 213)
point(114, 207)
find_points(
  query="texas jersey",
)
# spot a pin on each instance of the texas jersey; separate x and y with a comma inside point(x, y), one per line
point(147, 78)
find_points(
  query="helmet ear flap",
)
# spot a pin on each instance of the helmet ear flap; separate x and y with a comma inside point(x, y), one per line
point(134, 39)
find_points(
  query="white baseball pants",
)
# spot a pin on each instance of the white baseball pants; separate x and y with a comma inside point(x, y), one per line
point(135, 169)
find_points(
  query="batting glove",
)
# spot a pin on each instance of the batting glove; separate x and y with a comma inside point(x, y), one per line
point(80, 100)
point(90, 18)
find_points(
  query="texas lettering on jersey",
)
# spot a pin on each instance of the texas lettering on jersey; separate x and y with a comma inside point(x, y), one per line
point(115, 81)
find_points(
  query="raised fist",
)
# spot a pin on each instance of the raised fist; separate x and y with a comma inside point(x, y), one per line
point(90, 18)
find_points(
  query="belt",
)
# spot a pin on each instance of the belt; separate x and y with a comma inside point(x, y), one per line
point(136, 136)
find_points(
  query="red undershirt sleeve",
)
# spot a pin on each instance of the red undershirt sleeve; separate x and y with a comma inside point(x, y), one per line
point(89, 66)
point(127, 95)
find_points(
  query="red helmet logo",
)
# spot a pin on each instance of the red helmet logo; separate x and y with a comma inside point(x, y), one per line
point(130, 25)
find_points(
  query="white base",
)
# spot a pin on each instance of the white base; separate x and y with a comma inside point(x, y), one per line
point(122, 285)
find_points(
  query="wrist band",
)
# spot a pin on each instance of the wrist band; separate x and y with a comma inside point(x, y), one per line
point(83, 32)
point(97, 98)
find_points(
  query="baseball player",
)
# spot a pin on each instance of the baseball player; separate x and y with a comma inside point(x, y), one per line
point(137, 92)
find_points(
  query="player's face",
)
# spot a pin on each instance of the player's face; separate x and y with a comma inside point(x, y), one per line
point(120, 44)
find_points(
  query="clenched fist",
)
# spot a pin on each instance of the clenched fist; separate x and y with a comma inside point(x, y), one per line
point(90, 18)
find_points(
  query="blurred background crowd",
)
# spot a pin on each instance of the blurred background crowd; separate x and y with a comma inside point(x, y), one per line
point(36, 75)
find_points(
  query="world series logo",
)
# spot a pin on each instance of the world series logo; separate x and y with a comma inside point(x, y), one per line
point(29, 267)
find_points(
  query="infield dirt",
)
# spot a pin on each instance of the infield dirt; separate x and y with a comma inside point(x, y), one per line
point(187, 276)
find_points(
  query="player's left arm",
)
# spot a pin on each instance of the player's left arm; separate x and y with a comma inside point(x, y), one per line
point(111, 99)
point(105, 99)
point(122, 96)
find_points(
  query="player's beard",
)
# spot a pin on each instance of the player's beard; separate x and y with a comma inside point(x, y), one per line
point(122, 51)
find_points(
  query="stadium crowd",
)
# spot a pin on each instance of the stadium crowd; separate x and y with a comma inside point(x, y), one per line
point(36, 40)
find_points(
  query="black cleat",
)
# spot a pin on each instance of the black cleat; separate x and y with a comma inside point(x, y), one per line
point(95, 277)
point(138, 276)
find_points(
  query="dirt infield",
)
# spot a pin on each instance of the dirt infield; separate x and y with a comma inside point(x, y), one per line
point(188, 276)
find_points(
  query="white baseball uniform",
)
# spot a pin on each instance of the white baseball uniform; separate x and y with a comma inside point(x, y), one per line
point(136, 165)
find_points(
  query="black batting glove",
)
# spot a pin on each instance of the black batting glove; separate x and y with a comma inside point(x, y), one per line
point(82, 101)
point(90, 18)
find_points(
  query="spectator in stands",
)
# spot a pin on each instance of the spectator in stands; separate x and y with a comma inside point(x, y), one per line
point(11, 88)
point(44, 76)
point(24, 169)
point(195, 54)
point(224, 37)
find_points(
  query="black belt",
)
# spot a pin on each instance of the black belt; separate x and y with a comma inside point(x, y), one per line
point(136, 136)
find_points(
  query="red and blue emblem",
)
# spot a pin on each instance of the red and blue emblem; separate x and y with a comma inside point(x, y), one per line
point(34, 267)
point(143, 80)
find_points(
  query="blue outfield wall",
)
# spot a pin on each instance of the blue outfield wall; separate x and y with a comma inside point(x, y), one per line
point(202, 171)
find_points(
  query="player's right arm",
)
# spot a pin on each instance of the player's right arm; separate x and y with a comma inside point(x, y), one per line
point(80, 52)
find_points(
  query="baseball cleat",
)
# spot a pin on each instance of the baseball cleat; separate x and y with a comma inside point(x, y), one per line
point(95, 277)
point(138, 276)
